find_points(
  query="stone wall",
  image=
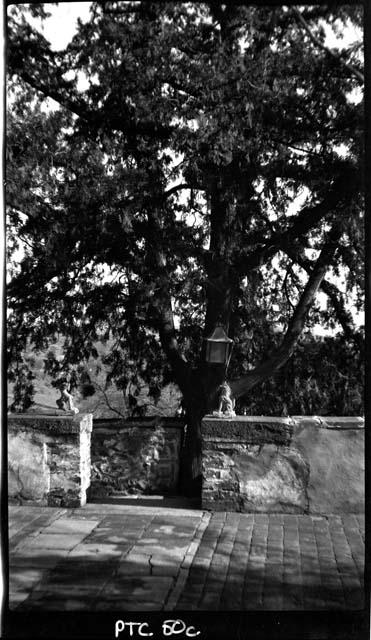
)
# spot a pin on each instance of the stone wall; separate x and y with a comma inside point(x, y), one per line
point(250, 464)
point(49, 459)
point(283, 465)
point(137, 456)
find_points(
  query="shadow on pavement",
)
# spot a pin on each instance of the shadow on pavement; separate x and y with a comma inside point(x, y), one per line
point(171, 502)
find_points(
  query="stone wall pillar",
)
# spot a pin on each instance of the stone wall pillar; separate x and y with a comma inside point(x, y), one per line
point(247, 465)
point(49, 459)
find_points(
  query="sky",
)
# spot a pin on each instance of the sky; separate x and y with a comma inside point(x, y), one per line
point(61, 26)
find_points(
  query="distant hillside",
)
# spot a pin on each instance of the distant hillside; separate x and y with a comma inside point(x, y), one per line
point(107, 401)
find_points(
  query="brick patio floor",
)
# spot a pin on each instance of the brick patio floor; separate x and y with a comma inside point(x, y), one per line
point(117, 557)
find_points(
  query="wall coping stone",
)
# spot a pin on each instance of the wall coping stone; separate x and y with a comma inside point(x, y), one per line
point(248, 429)
point(324, 422)
point(239, 418)
point(269, 429)
point(141, 423)
point(77, 423)
point(330, 422)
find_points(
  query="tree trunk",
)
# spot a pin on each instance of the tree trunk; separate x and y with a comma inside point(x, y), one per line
point(221, 281)
point(191, 458)
point(201, 398)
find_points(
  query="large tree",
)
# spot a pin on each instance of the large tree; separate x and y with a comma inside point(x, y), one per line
point(177, 166)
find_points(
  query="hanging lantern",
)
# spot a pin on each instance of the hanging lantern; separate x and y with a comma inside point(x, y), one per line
point(218, 347)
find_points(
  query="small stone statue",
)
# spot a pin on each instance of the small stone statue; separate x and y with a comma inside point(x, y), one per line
point(226, 402)
point(66, 399)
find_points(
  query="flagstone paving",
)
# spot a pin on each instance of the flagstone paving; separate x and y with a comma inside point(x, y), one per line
point(110, 557)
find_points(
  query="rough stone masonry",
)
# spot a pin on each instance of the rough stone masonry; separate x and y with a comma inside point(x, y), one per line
point(135, 456)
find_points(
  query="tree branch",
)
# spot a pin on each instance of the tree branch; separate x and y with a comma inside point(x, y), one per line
point(59, 89)
point(338, 57)
point(162, 308)
point(336, 298)
point(284, 286)
point(307, 219)
point(106, 400)
point(77, 107)
point(98, 119)
point(177, 187)
point(344, 317)
point(268, 368)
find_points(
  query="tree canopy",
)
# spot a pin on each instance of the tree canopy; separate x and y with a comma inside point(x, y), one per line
point(180, 165)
